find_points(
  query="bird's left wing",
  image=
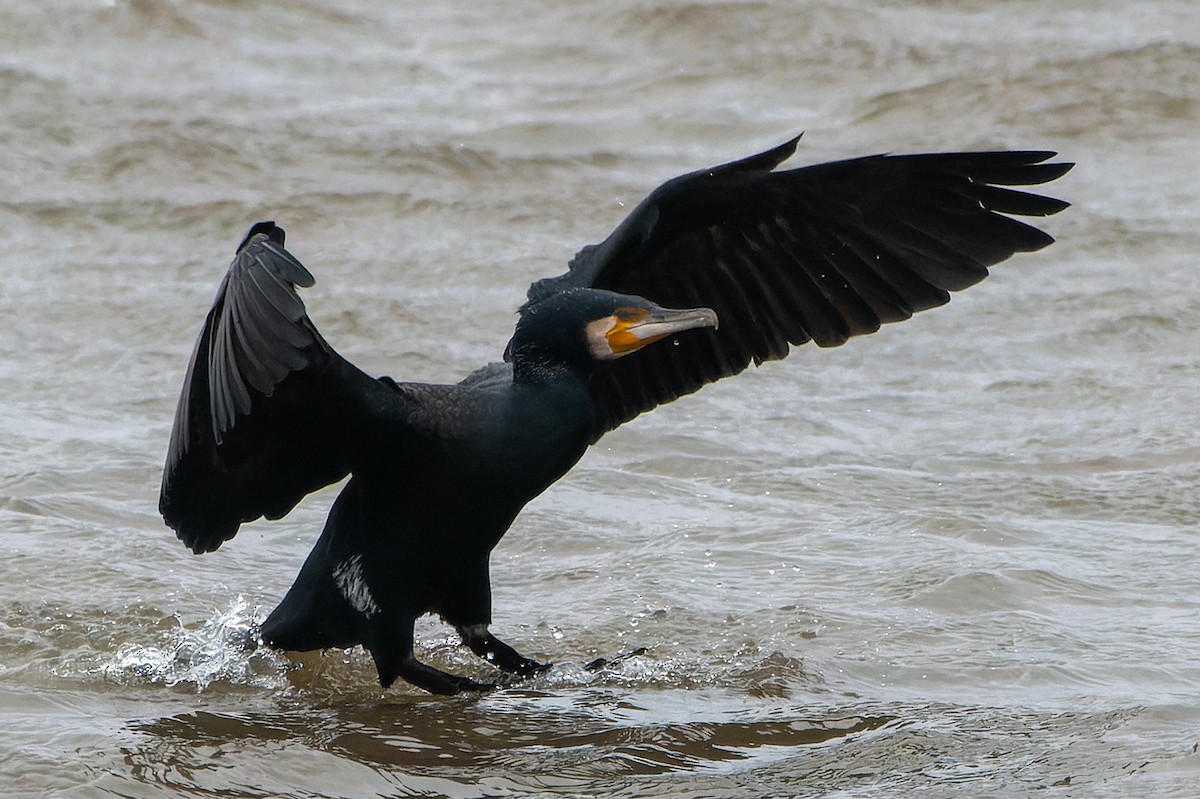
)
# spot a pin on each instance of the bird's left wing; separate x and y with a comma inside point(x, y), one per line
point(820, 253)
point(267, 407)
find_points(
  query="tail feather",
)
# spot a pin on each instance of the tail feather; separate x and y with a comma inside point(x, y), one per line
point(313, 615)
point(332, 604)
point(329, 605)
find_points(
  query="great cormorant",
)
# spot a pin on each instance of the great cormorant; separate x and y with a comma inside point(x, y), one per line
point(270, 412)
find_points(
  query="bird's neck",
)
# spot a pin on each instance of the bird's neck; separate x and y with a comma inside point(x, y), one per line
point(530, 369)
point(555, 387)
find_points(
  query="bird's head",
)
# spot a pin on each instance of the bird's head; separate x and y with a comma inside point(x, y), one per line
point(576, 328)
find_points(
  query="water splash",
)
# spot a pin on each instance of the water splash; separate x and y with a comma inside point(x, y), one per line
point(223, 649)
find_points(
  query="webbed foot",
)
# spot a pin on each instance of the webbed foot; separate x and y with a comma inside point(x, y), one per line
point(600, 663)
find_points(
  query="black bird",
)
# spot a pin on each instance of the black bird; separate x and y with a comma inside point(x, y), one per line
point(270, 411)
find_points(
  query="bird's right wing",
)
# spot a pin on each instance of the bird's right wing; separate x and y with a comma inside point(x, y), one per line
point(268, 409)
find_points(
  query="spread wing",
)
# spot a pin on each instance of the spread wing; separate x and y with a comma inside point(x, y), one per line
point(820, 253)
point(266, 415)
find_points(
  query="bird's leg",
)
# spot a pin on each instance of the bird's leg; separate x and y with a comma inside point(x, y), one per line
point(436, 681)
point(496, 652)
point(392, 649)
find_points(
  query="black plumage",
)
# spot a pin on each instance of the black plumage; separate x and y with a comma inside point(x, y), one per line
point(759, 260)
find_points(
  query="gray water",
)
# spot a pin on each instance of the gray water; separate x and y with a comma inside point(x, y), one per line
point(956, 558)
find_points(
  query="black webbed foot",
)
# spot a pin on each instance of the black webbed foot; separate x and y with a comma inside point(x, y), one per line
point(498, 653)
point(600, 663)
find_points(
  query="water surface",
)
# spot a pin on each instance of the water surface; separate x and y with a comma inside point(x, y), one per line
point(956, 558)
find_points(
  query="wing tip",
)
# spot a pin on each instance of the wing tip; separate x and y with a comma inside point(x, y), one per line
point(198, 521)
point(266, 228)
point(765, 161)
point(272, 237)
point(199, 541)
point(1050, 171)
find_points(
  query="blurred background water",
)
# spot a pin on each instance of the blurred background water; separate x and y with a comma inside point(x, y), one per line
point(958, 557)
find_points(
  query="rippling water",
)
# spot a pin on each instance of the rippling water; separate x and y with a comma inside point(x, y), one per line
point(957, 558)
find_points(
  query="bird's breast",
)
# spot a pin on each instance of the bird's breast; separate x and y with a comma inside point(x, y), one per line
point(473, 457)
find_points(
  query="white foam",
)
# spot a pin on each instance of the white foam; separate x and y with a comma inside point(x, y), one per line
point(225, 648)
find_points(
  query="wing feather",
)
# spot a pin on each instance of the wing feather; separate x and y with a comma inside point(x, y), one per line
point(269, 411)
point(820, 253)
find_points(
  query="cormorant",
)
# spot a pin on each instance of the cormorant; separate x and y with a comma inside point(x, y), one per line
point(270, 411)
